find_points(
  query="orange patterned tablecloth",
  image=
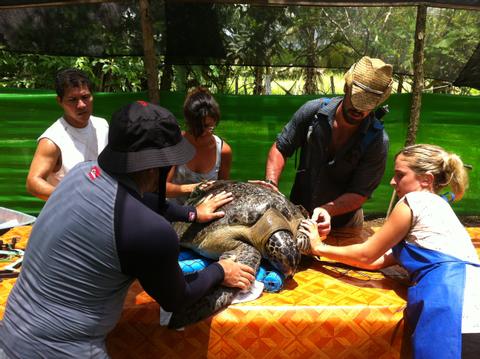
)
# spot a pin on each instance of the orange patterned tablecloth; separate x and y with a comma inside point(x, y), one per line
point(325, 312)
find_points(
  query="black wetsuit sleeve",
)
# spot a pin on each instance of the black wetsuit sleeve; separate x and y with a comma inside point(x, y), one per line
point(148, 249)
point(171, 211)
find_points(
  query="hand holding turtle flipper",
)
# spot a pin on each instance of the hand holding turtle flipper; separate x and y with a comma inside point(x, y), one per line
point(322, 218)
point(310, 228)
point(207, 209)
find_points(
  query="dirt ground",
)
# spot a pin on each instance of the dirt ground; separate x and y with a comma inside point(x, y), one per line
point(467, 221)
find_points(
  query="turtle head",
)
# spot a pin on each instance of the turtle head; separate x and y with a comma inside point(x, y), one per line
point(282, 252)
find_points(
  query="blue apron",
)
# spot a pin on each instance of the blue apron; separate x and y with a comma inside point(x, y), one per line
point(435, 300)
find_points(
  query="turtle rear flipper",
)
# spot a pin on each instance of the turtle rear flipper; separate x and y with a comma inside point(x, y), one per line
point(221, 297)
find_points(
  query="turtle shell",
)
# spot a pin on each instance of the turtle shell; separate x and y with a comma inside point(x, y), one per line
point(255, 213)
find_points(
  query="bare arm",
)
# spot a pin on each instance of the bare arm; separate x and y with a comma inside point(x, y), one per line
point(46, 160)
point(177, 190)
point(226, 162)
point(347, 202)
point(275, 164)
point(371, 254)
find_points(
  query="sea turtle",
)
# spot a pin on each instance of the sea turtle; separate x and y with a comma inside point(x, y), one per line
point(258, 223)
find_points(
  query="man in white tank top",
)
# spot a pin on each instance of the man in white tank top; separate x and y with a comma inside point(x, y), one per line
point(75, 137)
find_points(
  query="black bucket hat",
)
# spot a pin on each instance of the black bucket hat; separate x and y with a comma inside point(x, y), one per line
point(142, 136)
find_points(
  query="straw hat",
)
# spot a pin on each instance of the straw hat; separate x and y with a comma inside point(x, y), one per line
point(142, 136)
point(369, 82)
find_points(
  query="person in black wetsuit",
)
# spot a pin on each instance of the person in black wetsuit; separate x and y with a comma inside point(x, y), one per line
point(105, 225)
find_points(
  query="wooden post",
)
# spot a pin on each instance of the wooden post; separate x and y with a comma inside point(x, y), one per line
point(417, 88)
point(418, 75)
point(149, 55)
point(400, 84)
point(332, 84)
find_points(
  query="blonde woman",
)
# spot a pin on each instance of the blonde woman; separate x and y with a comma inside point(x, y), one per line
point(424, 235)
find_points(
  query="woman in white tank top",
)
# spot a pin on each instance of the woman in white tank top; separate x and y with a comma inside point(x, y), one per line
point(424, 235)
point(213, 157)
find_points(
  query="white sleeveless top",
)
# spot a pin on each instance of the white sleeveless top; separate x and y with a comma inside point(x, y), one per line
point(435, 226)
point(76, 144)
point(184, 175)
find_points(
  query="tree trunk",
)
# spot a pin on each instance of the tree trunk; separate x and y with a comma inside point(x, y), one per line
point(181, 78)
point(268, 84)
point(332, 84)
point(418, 75)
point(400, 84)
point(310, 86)
point(149, 56)
point(258, 88)
point(167, 78)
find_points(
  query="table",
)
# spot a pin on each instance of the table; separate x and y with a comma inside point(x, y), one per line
point(324, 312)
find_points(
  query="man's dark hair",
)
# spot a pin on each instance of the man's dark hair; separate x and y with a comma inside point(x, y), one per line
point(199, 105)
point(71, 78)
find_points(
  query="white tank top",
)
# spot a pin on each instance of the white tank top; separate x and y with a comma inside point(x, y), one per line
point(184, 175)
point(76, 144)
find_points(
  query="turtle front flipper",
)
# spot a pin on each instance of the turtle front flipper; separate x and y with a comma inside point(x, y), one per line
point(221, 297)
point(303, 243)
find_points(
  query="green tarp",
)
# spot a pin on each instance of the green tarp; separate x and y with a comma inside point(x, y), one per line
point(249, 124)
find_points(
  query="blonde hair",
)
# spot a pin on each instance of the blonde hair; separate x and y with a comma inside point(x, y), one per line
point(447, 168)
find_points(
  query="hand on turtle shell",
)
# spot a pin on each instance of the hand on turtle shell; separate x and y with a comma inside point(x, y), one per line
point(202, 186)
point(266, 184)
point(322, 218)
point(237, 274)
point(205, 185)
point(206, 210)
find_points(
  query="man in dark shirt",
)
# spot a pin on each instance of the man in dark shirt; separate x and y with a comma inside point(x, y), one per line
point(101, 229)
point(343, 148)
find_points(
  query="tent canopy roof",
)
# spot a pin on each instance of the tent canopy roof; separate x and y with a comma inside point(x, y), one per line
point(200, 32)
point(463, 4)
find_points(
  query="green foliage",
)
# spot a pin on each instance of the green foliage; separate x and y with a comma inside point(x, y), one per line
point(309, 36)
point(451, 37)
point(117, 74)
